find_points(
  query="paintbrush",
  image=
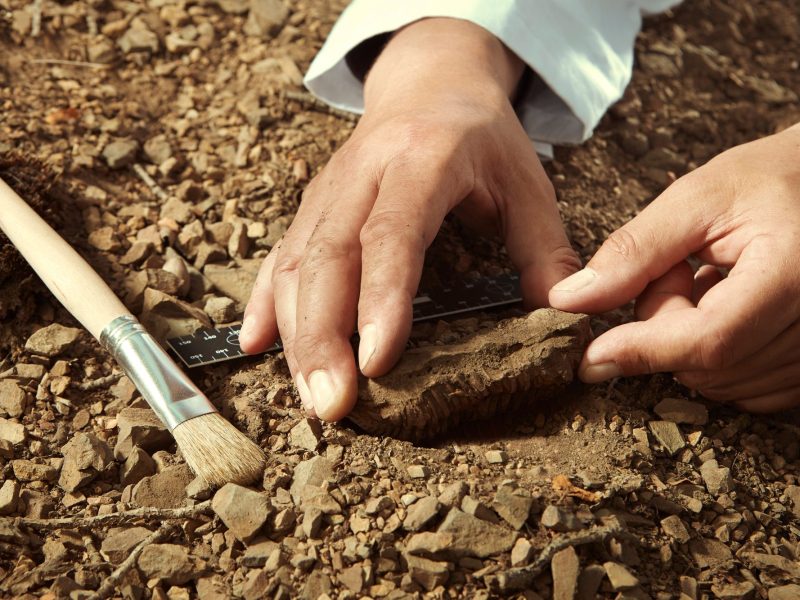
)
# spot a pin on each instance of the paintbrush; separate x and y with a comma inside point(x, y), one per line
point(214, 449)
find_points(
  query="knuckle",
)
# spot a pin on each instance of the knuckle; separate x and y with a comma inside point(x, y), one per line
point(565, 258)
point(323, 250)
point(694, 380)
point(286, 264)
point(624, 244)
point(717, 349)
point(390, 228)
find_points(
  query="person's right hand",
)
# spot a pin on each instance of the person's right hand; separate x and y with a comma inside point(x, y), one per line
point(438, 134)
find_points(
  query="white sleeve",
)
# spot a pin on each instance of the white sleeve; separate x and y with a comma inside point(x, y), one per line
point(581, 51)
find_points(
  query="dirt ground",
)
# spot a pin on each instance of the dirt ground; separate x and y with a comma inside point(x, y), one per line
point(176, 137)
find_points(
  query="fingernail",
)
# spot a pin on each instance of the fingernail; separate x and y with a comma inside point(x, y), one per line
point(367, 344)
point(323, 392)
point(600, 372)
point(305, 393)
point(576, 281)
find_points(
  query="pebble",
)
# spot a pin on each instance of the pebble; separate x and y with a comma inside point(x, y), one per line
point(12, 399)
point(679, 410)
point(140, 427)
point(233, 282)
point(589, 581)
point(792, 493)
point(474, 507)
point(475, 537)
point(137, 466)
point(718, 479)
point(784, 592)
point(559, 519)
point(513, 505)
point(620, 577)
point(418, 471)
point(120, 541)
point(85, 455)
point(521, 553)
point(138, 39)
point(52, 340)
point(28, 470)
point(668, 435)
point(9, 495)
point(453, 494)
point(220, 309)
point(740, 590)
point(709, 553)
point(266, 18)
point(166, 489)
point(421, 513)
point(101, 51)
point(772, 562)
point(565, 567)
point(312, 472)
point(120, 153)
point(432, 544)
point(169, 563)
point(257, 554)
point(428, 573)
point(198, 489)
point(674, 527)
point(381, 504)
point(306, 434)
point(312, 522)
point(177, 210)
point(157, 149)
point(12, 432)
point(496, 457)
point(244, 511)
point(353, 578)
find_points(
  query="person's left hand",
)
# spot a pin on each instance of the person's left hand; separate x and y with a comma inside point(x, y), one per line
point(734, 339)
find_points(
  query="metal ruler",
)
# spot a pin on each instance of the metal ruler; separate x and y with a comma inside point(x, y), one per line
point(209, 346)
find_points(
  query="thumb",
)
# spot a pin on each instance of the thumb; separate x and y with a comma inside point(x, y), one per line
point(641, 251)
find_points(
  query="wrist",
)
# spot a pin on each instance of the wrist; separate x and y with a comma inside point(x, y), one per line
point(442, 56)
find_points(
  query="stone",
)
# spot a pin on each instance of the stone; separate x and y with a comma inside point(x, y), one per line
point(674, 527)
point(312, 472)
point(306, 434)
point(620, 577)
point(140, 427)
point(166, 489)
point(565, 567)
point(315, 497)
point(381, 504)
point(105, 239)
point(9, 495)
point(496, 457)
point(475, 537)
point(317, 584)
point(428, 573)
point(137, 466)
point(28, 470)
point(709, 553)
point(521, 553)
point(244, 511)
point(233, 282)
point(138, 39)
point(679, 411)
point(353, 578)
point(137, 253)
point(559, 519)
point(739, 590)
point(784, 592)
point(164, 316)
point(668, 435)
point(476, 508)
point(718, 479)
point(513, 505)
point(52, 340)
point(157, 149)
point(11, 432)
point(198, 489)
point(589, 581)
point(266, 18)
point(177, 210)
point(85, 455)
point(453, 494)
point(431, 544)
point(220, 309)
point(792, 493)
point(257, 554)
point(238, 243)
point(418, 471)
point(120, 153)
point(312, 522)
point(169, 563)
point(101, 50)
point(13, 400)
point(772, 562)
point(421, 513)
point(120, 541)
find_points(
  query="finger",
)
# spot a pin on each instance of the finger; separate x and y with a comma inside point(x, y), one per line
point(260, 326)
point(669, 292)
point(329, 279)
point(663, 234)
point(409, 209)
point(717, 334)
point(706, 277)
point(534, 235)
point(776, 401)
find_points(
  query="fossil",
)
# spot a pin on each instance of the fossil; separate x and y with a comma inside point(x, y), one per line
point(436, 388)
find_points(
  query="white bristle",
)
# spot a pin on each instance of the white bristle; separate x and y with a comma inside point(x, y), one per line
point(218, 452)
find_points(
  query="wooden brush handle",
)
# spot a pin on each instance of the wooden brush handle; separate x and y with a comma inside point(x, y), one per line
point(76, 285)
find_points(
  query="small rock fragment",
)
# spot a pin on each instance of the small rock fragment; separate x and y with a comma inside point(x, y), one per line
point(138, 39)
point(453, 494)
point(589, 581)
point(513, 505)
point(418, 471)
point(257, 554)
point(220, 309)
point(475, 537)
point(668, 435)
point(306, 434)
point(559, 519)
point(119, 541)
point(521, 553)
point(9, 494)
point(565, 568)
point(11, 432)
point(266, 18)
point(85, 455)
point(166, 489)
point(738, 590)
point(620, 577)
point(718, 479)
point(421, 513)
point(12, 399)
point(785, 592)
point(674, 527)
point(311, 472)
point(120, 153)
point(52, 340)
point(496, 457)
point(679, 410)
point(428, 573)
point(28, 470)
point(709, 553)
point(474, 507)
point(169, 563)
point(137, 466)
point(140, 427)
point(243, 510)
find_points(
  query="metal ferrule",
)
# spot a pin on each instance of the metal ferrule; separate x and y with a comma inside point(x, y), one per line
point(167, 389)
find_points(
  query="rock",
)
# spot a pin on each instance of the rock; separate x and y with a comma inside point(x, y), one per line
point(312, 522)
point(381, 504)
point(432, 544)
point(453, 494)
point(772, 562)
point(266, 18)
point(220, 309)
point(421, 513)
point(138, 39)
point(198, 489)
point(565, 568)
point(233, 282)
point(306, 434)
point(740, 590)
point(52, 340)
point(85, 455)
point(166, 489)
point(169, 563)
point(709, 553)
point(621, 579)
point(137, 253)
point(589, 582)
point(353, 578)
point(165, 316)
point(105, 239)
point(418, 471)
point(120, 153)
point(496, 457)
point(785, 592)
point(12, 399)
point(513, 505)
point(157, 149)
point(475, 537)
point(428, 573)
point(668, 435)
point(474, 507)
point(28, 470)
point(317, 584)
point(140, 427)
point(243, 510)
point(101, 51)
point(177, 210)
point(120, 541)
point(521, 553)
point(314, 497)
point(312, 472)
point(9, 495)
point(238, 243)
point(137, 466)
point(11, 432)
point(679, 410)
point(559, 519)
point(792, 493)
point(674, 527)
point(718, 479)
point(257, 554)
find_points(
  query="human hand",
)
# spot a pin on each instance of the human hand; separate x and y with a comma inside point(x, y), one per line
point(734, 339)
point(438, 134)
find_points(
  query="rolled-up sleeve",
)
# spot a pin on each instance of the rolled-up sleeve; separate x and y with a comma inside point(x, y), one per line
point(581, 52)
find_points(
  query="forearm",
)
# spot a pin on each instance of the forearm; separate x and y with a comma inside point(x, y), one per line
point(439, 55)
